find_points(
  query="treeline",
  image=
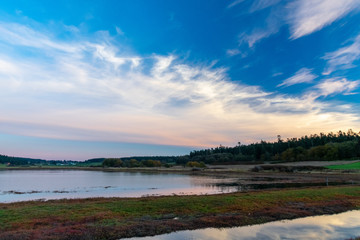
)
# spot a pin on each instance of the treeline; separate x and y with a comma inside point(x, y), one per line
point(18, 161)
point(316, 147)
point(130, 162)
point(331, 146)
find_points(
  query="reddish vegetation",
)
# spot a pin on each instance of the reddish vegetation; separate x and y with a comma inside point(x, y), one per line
point(115, 218)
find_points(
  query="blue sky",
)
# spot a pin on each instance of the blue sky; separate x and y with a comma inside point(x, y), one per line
point(83, 79)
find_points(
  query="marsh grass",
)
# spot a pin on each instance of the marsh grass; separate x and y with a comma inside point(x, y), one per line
point(119, 217)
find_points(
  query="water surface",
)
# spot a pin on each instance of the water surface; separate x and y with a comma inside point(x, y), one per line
point(21, 185)
point(328, 227)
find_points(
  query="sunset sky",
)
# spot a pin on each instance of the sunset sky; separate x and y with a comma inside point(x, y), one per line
point(84, 79)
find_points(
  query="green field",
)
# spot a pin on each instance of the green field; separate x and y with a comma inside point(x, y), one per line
point(351, 166)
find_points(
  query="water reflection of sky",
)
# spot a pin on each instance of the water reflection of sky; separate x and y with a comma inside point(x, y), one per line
point(329, 227)
point(16, 185)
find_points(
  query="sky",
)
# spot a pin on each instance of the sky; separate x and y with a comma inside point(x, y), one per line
point(85, 79)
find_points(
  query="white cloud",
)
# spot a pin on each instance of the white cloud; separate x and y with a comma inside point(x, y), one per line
point(233, 52)
point(343, 58)
point(119, 31)
point(302, 16)
point(91, 90)
point(304, 75)
point(71, 28)
point(336, 86)
point(256, 36)
point(308, 16)
point(7, 67)
point(277, 74)
point(262, 4)
point(234, 3)
point(17, 34)
point(109, 54)
point(271, 25)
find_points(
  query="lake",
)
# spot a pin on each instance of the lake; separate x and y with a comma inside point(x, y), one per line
point(328, 227)
point(22, 185)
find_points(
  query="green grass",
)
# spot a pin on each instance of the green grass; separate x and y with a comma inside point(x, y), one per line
point(350, 166)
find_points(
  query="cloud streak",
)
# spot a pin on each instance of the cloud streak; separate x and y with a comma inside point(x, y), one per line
point(92, 91)
point(303, 17)
point(234, 3)
point(336, 86)
point(343, 58)
point(262, 4)
point(304, 75)
point(308, 16)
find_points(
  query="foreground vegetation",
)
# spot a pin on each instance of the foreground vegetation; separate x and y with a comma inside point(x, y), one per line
point(113, 218)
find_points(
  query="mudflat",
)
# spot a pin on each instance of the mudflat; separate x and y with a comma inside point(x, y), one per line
point(114, 218)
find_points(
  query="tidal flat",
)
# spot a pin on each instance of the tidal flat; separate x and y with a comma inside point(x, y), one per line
point(114, 218)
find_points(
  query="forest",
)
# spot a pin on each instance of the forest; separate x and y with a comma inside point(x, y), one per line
point(316, 147)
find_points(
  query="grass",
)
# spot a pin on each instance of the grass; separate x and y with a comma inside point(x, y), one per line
point(111, 218)
point(350, 166)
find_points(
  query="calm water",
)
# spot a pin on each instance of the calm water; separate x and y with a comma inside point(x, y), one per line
point(329, 227)
point(21, 185)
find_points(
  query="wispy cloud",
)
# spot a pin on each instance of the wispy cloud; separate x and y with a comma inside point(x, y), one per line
point(256, 36)
point(308, 16)
point(336, 86)
point(91, 90)
point(277, 74)
point(303, 17)
point(119, 31)
point(270, 26)
point(304, 75)
point(234, 3)
point(343, 58)
point(22, 35)
point(233, 52)
point(262, 4)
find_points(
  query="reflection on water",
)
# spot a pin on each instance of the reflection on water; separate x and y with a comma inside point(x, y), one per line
point(330, 227)
point(21, 185)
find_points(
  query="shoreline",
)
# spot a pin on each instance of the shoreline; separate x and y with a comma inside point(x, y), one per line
point(239, 168)
point(114, 218)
